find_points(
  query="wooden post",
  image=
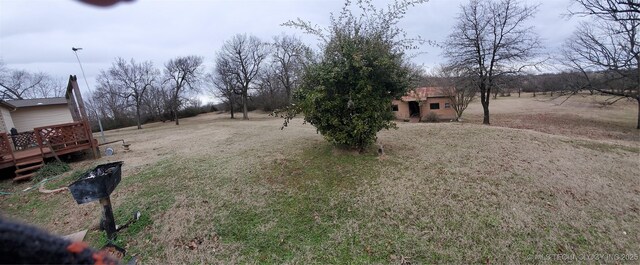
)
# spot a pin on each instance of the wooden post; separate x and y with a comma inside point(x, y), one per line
point(71, 101)
point(78, 97)
point(6, 146)
point(39, 140)
point(52, 151)
point(73, 108)
point(85, 119)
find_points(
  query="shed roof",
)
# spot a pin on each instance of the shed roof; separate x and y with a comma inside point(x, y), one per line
point(21, 103)
point(422, 93)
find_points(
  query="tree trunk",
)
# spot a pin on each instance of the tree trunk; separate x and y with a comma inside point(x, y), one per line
point(175, 114)
point(161, 114)
point(638, 89)
point(638, 126)
point(485, 108)
point(484, 99)
point(519, 91)
point(271, 100)
point(245, 114)
point(231, 104)
point(138, 117)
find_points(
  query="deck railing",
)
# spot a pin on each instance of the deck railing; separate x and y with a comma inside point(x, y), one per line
point(62, 136)
point(23, 140)
point(6, 152)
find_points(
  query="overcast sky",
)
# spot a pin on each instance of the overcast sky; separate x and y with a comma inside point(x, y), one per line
point(37, 35)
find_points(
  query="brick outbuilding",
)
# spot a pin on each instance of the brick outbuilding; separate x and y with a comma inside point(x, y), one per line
point(422, 103)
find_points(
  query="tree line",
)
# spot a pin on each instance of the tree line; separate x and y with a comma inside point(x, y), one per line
point(248, 74)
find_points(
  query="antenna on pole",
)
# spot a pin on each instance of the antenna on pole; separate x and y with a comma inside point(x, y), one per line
point(75, 51)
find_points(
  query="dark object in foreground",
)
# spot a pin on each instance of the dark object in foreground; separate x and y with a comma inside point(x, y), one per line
point(25, 244)
point(98, 184)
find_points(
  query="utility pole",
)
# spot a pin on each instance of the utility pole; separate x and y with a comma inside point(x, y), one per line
point(75, 51)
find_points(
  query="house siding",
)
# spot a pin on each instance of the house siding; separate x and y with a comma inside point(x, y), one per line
point(27, 118)
point(6, 123)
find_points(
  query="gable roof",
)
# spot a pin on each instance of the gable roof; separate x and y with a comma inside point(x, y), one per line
point(21, 103)
point(422, 93)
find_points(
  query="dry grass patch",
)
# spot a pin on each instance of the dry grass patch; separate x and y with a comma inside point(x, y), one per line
point(509, 196)
point(580, 116)
point(215, 190)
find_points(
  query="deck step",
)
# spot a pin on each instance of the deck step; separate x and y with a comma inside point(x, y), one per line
point(21, 163)
point(38, 166)
point(24, 177)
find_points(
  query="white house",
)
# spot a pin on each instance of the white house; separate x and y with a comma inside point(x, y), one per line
point(26, 114)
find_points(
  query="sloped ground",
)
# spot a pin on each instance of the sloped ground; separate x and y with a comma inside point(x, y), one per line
point(214, 190)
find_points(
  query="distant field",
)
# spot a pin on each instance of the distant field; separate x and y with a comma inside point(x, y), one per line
point(543, 180)
point(579, 116)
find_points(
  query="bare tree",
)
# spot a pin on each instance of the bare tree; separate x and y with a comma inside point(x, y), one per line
point(223, 85)
point(245, 55)
point(457, 86)
point(290, 56)
point(272, 91)
point(108, 104)
point(181, 73)
point(20, 84)
point(134, 79)
point(615, 10)
point(491, 40)
point(48, 87)
point(157, 101)
point(605, 51)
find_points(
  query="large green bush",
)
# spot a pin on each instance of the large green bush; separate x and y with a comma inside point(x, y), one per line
point(347, 93)
point(347, 96)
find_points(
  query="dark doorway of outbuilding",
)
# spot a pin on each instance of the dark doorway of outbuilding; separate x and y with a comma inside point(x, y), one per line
point(414, 109)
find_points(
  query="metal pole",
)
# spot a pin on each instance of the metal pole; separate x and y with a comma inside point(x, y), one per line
point(108, 222)
point(75, 51)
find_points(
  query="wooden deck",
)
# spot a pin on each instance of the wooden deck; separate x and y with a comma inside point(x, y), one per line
point(30, 153)
point(24, 155)
point(62, 138)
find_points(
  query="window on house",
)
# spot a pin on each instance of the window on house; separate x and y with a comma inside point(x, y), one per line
point(447, 105)
point(434, 106)
point(394, 107)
